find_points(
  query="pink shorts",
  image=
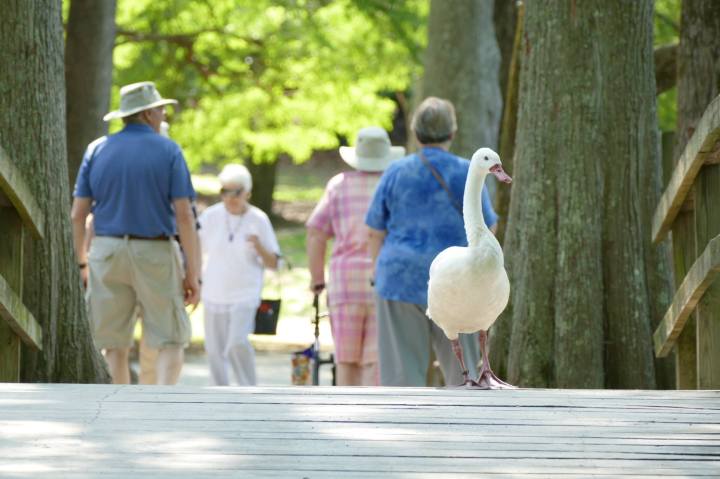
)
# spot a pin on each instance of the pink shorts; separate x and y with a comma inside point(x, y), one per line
point(354, 331)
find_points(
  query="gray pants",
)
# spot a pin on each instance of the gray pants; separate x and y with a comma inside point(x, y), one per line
point(405, 336)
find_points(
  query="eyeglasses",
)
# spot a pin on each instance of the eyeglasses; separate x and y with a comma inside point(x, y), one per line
point(235, 193)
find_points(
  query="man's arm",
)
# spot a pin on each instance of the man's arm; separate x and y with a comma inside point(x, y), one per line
point(198, 254)
point(316, 248)
point(189, 242)
point(376, 238)
point(78, 215)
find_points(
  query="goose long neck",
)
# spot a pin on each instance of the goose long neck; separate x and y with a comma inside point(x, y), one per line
point(472, 206)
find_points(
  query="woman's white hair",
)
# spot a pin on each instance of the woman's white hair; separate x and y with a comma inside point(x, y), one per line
point(236, 174)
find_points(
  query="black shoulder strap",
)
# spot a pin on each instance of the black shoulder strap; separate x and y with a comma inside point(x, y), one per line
point(440, 180)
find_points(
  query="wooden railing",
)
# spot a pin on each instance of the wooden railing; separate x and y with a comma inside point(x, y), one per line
point(701, 149)
point(694, 187)
point(19, 212)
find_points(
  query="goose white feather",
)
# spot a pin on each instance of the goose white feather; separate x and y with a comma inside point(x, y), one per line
point(468, 286)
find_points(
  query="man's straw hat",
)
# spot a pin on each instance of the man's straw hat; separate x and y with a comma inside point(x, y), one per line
point(372, 151)
point(137, 97)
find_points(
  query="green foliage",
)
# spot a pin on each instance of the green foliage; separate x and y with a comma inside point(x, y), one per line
point(667, 31)
point(667, 21)
point(259, 78)
point(667, 110)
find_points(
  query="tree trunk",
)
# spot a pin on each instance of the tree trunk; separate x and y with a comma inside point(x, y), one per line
point(576, 243)
point(33, 135)
point(508, 128)
point(698, 83)
point(665, 68)
point(263, 176)
point(88, 74)
point(500, 337)
point(505, 16)
point(462, 62)
point(698, 63)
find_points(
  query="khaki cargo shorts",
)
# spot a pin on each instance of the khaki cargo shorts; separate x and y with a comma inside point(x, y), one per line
point(125, 273)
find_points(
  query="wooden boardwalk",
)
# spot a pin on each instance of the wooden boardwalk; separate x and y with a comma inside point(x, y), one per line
point(152, 431)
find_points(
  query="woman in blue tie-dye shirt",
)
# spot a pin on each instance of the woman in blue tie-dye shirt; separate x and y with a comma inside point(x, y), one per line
point(412, 218)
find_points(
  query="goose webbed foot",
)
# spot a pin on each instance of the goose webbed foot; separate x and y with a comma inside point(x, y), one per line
point(488, 380)
point(467, 383)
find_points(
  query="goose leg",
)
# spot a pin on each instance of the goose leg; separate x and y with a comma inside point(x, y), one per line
point(457, 349)
point(487, 378)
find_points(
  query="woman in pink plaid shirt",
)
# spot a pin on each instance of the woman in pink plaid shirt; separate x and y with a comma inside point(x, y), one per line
point(340, 214)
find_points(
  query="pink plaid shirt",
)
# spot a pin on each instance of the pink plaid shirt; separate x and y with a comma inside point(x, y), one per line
point(341, 214)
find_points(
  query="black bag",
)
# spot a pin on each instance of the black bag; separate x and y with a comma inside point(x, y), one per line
point(267, 315)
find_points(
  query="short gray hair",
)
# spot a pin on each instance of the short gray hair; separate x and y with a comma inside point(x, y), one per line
point(434, 120)
point(236, 174)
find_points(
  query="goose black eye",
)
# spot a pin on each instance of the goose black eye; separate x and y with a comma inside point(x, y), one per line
point(487, 159)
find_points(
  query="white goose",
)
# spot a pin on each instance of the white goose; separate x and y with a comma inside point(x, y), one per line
point(469, 287)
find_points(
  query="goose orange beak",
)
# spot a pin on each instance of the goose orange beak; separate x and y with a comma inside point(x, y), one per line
point(500, 174)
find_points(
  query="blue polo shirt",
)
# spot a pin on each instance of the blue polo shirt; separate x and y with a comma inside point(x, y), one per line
point(420, 221)
point(132, 177)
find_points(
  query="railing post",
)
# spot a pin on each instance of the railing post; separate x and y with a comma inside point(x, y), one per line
point(707, 226)
point(11, 237)
point(18, 212)
point(684, 253)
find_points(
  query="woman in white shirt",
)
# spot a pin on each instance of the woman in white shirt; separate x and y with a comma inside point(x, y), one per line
point(238, 243)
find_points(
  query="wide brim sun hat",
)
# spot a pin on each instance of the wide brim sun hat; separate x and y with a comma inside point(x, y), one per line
point(372, 151)
point(137, 97)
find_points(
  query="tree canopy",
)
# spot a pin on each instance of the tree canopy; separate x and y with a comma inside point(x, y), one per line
point(264, 78)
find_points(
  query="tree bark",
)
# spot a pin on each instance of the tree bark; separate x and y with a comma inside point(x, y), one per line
point(505, 15)
point(698, 65)
point(576, 243)
point(462, 64)
point(500, 337)
point(665, 68)
point(88, 74)
point(698, 84)
point(263, 175)
point(33, 135)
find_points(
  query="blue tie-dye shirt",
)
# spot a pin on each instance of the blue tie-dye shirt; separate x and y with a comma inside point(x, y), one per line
point(420, 221)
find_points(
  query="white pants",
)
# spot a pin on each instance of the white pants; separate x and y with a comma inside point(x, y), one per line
point(227, 344)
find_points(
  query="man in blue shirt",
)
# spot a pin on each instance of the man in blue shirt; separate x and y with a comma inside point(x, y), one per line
point(137, 184)
point(412, 218)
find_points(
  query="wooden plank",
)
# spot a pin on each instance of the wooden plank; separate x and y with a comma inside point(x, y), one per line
point(707, 227)
point(103, 462)
point(11, 265)
point(698, 279)
point(17, 191)
point(701, 148)
point(11, 259)
point(476, 416)
point(61, 430)
point(684, 255)
point(63, 394)
point(9, 354)
point(322, 474)
point(22, 322)
point(355, 395)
